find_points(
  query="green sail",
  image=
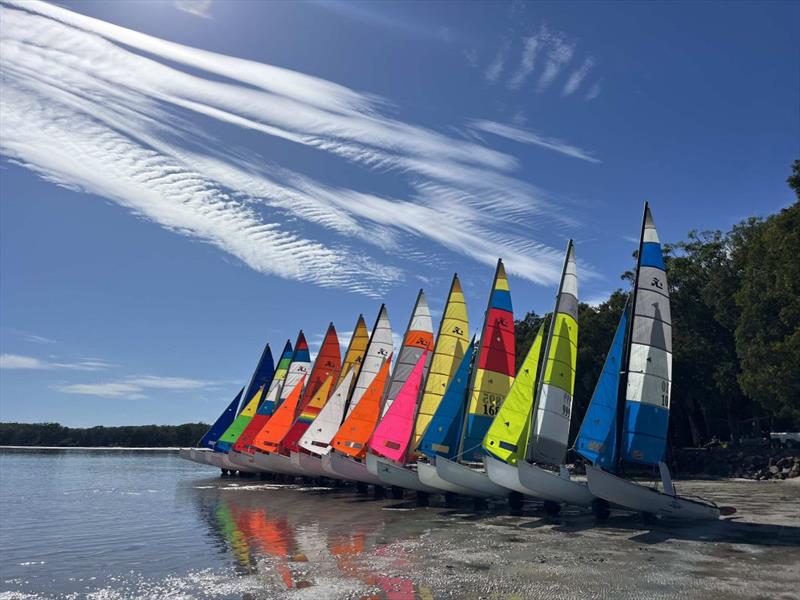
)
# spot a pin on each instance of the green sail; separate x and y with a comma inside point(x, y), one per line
point(508, 434)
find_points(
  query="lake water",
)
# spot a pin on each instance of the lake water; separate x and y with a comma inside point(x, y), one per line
point(112, 525)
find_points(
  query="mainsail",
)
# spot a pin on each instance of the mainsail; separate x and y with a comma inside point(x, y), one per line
point(232, 433)
point(263, 375)
point(326, 365)
point(378, 350)
point(318, 436)
point(494, 367)
point(441, 435)
point(357, 428)
point(551, 419)
point(267, 406)
point(649, 358)
point(417, 340)
point(508, 434)
point(279, 424)
point(597, 437)
point(451, 344)
point(221, 424)
point(355, 350)
point(308, 414)
point(393, 434)
point(298, 368)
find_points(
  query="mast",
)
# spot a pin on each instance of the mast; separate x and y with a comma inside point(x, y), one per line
point(626, 355)
point(546, 353)
point(363, 361)
point(474, 372)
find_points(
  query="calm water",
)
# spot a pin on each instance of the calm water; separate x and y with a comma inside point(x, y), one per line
point(116, 525)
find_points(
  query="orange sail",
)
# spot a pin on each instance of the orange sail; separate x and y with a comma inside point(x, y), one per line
point(328, 363)
point(270, 437)
point(352, 437)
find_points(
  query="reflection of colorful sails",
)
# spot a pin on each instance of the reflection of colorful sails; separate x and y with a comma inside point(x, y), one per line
point(233, 536)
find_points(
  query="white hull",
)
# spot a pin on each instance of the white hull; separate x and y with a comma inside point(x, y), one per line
point(476, 482)
point(215, 460)
point(504, 474)
point(428, 476)
point(272, 463)
point(308, 464)
point(636, 497)
point(391, 473)
point(548, 485)
point(349, 469)
point(194, 454)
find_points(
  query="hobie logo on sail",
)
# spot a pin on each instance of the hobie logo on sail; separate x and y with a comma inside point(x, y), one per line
point(458, 331)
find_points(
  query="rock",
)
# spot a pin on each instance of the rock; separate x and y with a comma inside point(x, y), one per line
point(774, 470)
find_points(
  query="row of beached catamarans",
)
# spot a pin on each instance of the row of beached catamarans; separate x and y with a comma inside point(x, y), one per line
point(455, 415)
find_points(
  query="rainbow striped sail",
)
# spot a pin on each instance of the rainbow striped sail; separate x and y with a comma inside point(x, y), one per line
point(494, 369)
point(451, 345)
point(298, 368)
point(551, 419)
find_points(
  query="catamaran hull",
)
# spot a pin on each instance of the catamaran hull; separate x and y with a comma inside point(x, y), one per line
point(349, 469)
point(477, 483)
point(228, 463)
point(635, 497)
point(548, 485)
point(272, 463)
point(393, 474)
point(504, 474)
point(194, 454)
point(309, 465)
point(428, 476)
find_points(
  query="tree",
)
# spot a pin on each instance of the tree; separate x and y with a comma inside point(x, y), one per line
point(794, 178)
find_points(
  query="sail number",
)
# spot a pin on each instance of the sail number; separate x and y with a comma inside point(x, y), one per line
point(665, 394)
point(491, 403)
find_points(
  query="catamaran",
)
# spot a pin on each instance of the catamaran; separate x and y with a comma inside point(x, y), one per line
point(206, 443)
point(492, 376)
point(399, 469)
point(628, 416)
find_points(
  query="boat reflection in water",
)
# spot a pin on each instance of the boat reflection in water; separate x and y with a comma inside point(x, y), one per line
point(302, 537)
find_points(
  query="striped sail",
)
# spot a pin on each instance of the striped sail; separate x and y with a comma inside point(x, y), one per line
point(308, 414)
point(649, 372)
point(352, 437)
point(441, 435)
point(597, 437)
point(298, 369)
point(393, 434)
point(356, 349)
point(326, 365)
point(378, 350)
point(263, 375)
point(417, 340)
point(494, 367)
point(232, 433)
point(550, 431)
point(279, 424)
point(508, 434)
point(268, 402)
point(318, 436)
point(221, 424)
point(451, 344)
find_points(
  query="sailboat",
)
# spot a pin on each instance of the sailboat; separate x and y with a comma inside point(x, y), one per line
point(315, 442)
point(492, 377)
point(376, 360)
point(417, 340)
point(271, 443)
point(206, 443)
point(628, 416)
point(549, 430)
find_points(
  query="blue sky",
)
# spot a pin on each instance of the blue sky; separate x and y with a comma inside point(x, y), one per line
point(183, 181)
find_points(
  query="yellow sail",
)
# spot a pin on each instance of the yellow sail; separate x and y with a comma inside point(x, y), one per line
point(355, 351)
point(508, 434)
point(451, 343)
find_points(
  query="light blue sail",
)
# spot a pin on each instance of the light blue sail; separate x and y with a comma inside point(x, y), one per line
point(221, 424)
point(597, 437)
point(441, 436)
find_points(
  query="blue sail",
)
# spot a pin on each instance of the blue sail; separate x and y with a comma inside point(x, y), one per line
point(221, 424)
point(262, 375)
point(647, 394)
point(441, 436)
point(597, 437)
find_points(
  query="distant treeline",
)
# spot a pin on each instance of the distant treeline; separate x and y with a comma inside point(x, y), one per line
point(735, 300)
point(133, 436)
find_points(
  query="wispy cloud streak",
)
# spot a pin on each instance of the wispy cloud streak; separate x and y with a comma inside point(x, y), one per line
point(576, 77)
point(529, 137)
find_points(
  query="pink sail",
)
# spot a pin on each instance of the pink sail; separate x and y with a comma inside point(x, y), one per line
point(393, 433)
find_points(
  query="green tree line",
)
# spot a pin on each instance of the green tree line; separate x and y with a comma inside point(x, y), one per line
point(736, 330)
point(134, 436)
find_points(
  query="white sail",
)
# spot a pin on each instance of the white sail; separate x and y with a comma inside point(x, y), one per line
point(379, 349)
point(317, 437)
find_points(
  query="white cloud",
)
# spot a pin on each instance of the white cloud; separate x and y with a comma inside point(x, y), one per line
point(495, 68)
point(529, 137)
point(133, 387)
point(19, 361)
point(200, 8)
point(593, 92)
point(558, 56)
point(530, 48)
point(104, 390)
point(576, 78)
point(84, 110)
